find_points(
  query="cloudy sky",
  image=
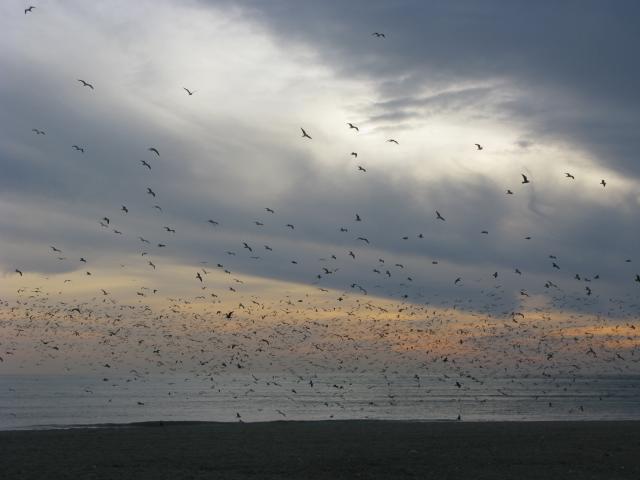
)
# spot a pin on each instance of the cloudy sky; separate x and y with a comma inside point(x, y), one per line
point(546, 88)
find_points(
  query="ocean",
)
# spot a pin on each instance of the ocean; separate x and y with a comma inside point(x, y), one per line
point(60, 401)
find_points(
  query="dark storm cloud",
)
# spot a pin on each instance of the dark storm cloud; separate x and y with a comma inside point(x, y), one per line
point(573, 58)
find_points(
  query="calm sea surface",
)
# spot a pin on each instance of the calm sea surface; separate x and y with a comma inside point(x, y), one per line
point(42, 401)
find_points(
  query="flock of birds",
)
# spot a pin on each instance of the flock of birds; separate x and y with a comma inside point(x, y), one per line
point(316, 329)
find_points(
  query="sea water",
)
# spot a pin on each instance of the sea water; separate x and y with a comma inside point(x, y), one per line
point(49, 401)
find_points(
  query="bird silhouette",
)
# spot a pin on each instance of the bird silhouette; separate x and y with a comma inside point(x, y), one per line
point(378, 35)
point(77, 148)
point(524, 178)
point(29, 10)
point(568, 175)
point(439, 217)
point(151, 192)
point(305, 134)
point(189, 91)
point(391, 140)
point(603, 183)
point(478, 146)
point(351, 125)
point(85, 84)
point(154, 150)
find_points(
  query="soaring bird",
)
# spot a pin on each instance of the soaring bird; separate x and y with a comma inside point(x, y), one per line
point(457, 281)
point(393, 141)
point(244, 244)
point(154, 150)
point(354, 154)
point(29, 10)
point(55, 249)
point(77, 148)
point(362, 169)
point(439, 217)
point(603, 183)
point(85, 84)
point(478, 146)
point(524, 178)
point(358, 219)
point(269, 210)
point(290, 226)
point(305, 134)
point(189, 91)
point(124, 209)
point(151, 264)
point(145, 164)
point(568, 175)
point(509, 192)
point(378, 35)
point(351, 125)
point(199, 277)
point(158, 207)
point(38, 132)
point(151, 192)
point(169, 229)
point(637, 278)
point(20, 272)
point(366, 240)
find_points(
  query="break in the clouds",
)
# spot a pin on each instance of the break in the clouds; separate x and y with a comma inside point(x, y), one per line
point(545, 88)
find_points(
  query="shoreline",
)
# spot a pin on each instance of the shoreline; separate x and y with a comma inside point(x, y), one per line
point(375, 449)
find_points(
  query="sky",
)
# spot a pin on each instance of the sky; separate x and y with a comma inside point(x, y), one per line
point(546, 88)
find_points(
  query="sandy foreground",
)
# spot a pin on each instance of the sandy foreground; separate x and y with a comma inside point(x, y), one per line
point(327, 450)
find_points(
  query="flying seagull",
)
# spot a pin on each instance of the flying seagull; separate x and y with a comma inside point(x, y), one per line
point(351, 125)
point(151, 192)
point(154, 150)
point(189, 91)
point(439, 217)
point(603, 183)
point(145, 164)
point(77, 148)
point(29, 10)
point(85, 84)
point(305, 134)
point(378, 35)
point(568, 175)
point(38, 132)
point(478, 146)
point(393, 141)
point(524, 178)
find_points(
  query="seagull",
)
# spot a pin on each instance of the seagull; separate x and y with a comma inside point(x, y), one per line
point(393, 141)
point(29, 10)
point(145, 164)
point(154, 150)
point(509, 192)
point(478, 146)
point(351, 125)
point(151, 264)
point(124, 209)
point(378, 35)
point(213, 222)
point(244, 244)
point(568, 175)
point(151, 192)
point(637, 277)
point(362, 169)
point(524, 178)
point(358, 219)
point(199, 277)
point(354, 154)
point(38, 132)
point(168, 229)
point(18, 271)
point(363, 239)
point(439, 217)
point(158, 207)
point(603, 183)
point(269, 210)
point(457, 281)
point(188, 91)
point(290, 226)
point(55, 249)
point(305, 134)
point(85, 84)
point(77, 148)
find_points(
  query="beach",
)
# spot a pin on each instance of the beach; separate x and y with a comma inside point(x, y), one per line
point(326, 450)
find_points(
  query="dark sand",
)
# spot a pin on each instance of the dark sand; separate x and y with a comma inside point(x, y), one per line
point(328, 450)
